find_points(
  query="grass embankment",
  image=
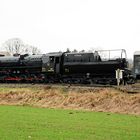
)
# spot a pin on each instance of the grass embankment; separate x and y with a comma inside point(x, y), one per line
point(97, 99)
point(22, 123)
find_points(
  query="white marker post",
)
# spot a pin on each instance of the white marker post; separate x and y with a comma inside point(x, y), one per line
point(119, 76)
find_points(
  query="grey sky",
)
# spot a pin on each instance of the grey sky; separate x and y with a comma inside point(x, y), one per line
point(54, 25)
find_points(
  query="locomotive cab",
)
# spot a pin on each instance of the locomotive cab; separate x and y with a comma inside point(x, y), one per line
point(52, 63)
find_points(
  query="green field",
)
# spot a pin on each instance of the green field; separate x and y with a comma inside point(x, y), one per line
point(23, 123)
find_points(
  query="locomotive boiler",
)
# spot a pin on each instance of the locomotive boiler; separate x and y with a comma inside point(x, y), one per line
point(20, 68)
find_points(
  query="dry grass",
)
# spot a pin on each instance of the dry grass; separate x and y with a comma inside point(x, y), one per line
point(98, 99)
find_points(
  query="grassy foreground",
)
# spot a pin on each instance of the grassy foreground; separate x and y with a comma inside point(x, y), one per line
point(23, 123)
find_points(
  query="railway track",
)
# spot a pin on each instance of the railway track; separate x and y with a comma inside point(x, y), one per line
point(128, 89)
point(131, 89)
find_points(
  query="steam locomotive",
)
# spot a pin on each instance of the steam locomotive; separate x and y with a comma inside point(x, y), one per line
point(66, 67)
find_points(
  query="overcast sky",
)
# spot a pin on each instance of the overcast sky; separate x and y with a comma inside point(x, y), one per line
point(54, 25)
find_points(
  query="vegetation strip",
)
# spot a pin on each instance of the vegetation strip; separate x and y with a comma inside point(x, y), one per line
point(95, 99)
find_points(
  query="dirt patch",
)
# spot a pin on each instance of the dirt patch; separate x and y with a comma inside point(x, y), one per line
point(98, 99)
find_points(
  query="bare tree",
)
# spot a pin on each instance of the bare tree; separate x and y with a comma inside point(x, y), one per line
point(16, 46)
point(68, 50)
point(32, 50)
point(93, 49)
point(75, 51)
point(35, 50)
point(82, 51)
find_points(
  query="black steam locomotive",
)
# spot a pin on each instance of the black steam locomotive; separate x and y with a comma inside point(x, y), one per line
point(84, 68)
